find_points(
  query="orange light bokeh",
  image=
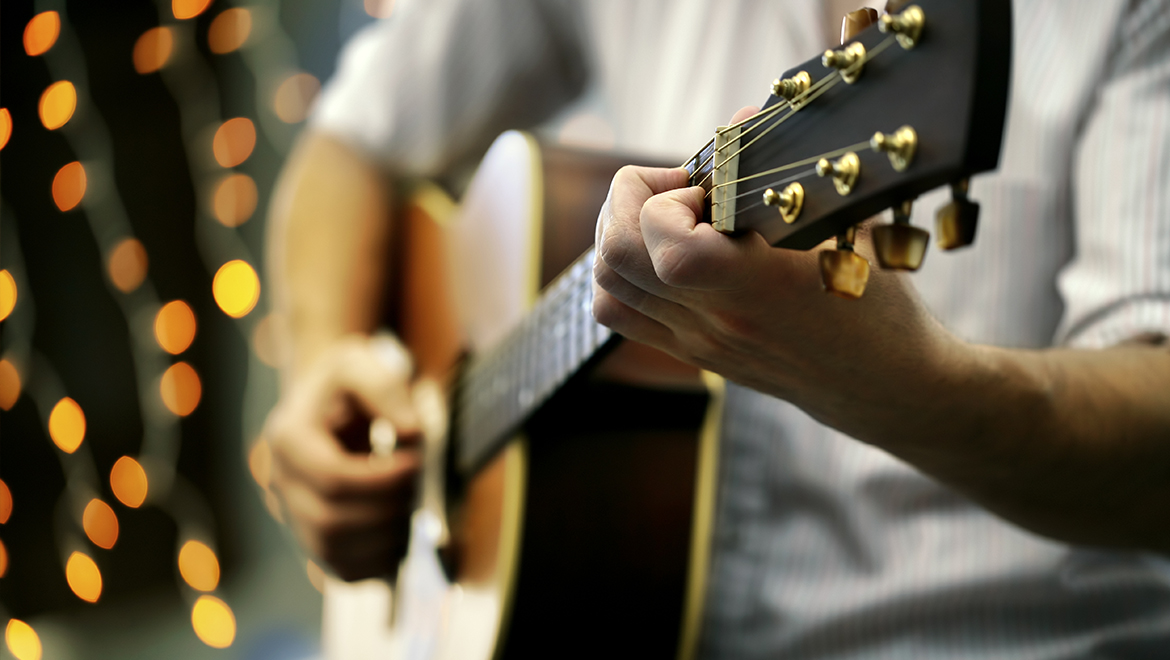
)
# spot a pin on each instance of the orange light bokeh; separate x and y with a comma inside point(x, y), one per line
point(9, 386)
point(100, 524)
point(83, 577)
point(153, 49)
point(5, 502)
point(174, 327)
point(3, 559)
point(236, 288)
point(234, 141)
point(229, 30)
point(69, 186)
point(7, 294)
point(184, 9)
point(295, 96)
point(67, 425)
point(198, 566)
point(379, 8)
point(57, 104)
point(213, 622)
point(5, 126)
point(128, 481)
point(127, 264)
point(22, 640)
point(234, 200)
point(181, 389)
point(41, 33)
point(260, 463)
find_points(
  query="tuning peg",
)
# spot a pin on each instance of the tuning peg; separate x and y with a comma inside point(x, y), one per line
point(844, 273)
point(844, 171)
point(906, 25)
point(849, 60)
point(900, 146)
point(957, 220)
point(790, 88)
point(900, 246)
point(789, 201)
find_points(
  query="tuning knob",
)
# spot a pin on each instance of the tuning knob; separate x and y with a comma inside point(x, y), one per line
point(957, 220)
point(900, 246)
point(790, 88)
point(906, 25)
point(844, 273)
point(850, 61)
point(789, 201)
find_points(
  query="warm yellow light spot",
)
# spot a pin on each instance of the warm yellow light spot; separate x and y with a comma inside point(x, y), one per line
point(264, 342)
point(83, 577)
point(5, 502)
point(236, 288)
point(214, 622)
point(188, 8)
point(5, 126)
point(174, 327)
point(9, 386)
point(67, 425)
point(234, 141)
point(316, 576)
point(295, 96)
point(198, 566)
point(260, 463)
point(100, 524)
point(7, 294)
point(234, 200)
point(153, 49)
point(181, 389)
point(41, 33)
point(57, 104)
point(22, 640)
point(128, 481)
point(3, 559)
point(379, 8)
point(69, 186)
point(229, 30)
point(127, 264)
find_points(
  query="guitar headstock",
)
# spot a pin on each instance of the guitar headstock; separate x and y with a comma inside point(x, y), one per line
point(912, 103)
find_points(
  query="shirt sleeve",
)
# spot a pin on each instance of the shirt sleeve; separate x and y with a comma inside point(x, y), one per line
point(436, 82)
point(1118, 284)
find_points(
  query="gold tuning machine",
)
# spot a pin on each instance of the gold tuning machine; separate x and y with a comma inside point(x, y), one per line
point(790, 88)
point(957, 220)
point(906, 25)
point(844, 171)
point(789, 201)
point(900, 146)
point(844, 273)
point(849, 60)
point(900, 246)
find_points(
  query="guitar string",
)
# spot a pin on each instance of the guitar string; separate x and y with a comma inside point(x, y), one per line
point(807, 161)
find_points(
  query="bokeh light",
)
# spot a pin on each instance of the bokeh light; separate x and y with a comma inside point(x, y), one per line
point(188, 8)
point(174, 327)
point(5, 126)
point(379, 8)
point(229, 30)
point(67, 425)
point(3, 559)
point(181, 389)
point(57, 104)
point(236, 288)
point(234, 200)
point(128, 482)
point(198, 566)
point(41, 33)
point(100, 524)
point(294, 97)
point(127, 264)
point(9, 386)
point(22, 640)
point(69, 186)
point(214, 622)
point(7, 294)
point(153, 49)
point(316, 576)
point(234, 141)
point(5, 502)
point(260, 463)
point(83, 577)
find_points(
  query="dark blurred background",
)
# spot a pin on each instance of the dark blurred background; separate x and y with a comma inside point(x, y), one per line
point(166, 186)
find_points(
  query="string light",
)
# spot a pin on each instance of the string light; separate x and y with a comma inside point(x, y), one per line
point(5, 126)
point(236, 288)
point(127, 264)
point(174, 327)
point(7, 294)
point(153, 49)
point(5, 502)
point(57, 104)
point(128, 482)
point(184, 9)
point(234, 141)
point(22, 640)
point(100, 524)
point(229, 31)
point(67, 425)
point(41, 33)
point(83, 577)
point(213, 622)
point(198, 566)
point(294, 97)
point(69, 186)
point(234, 200)
point(9, 386)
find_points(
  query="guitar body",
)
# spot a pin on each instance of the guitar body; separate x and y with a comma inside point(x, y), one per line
point(578, 538)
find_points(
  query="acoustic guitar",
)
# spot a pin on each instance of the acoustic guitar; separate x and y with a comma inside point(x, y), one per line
point(565, 515)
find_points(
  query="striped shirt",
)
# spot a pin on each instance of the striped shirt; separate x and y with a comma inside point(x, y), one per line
point(825, 547)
